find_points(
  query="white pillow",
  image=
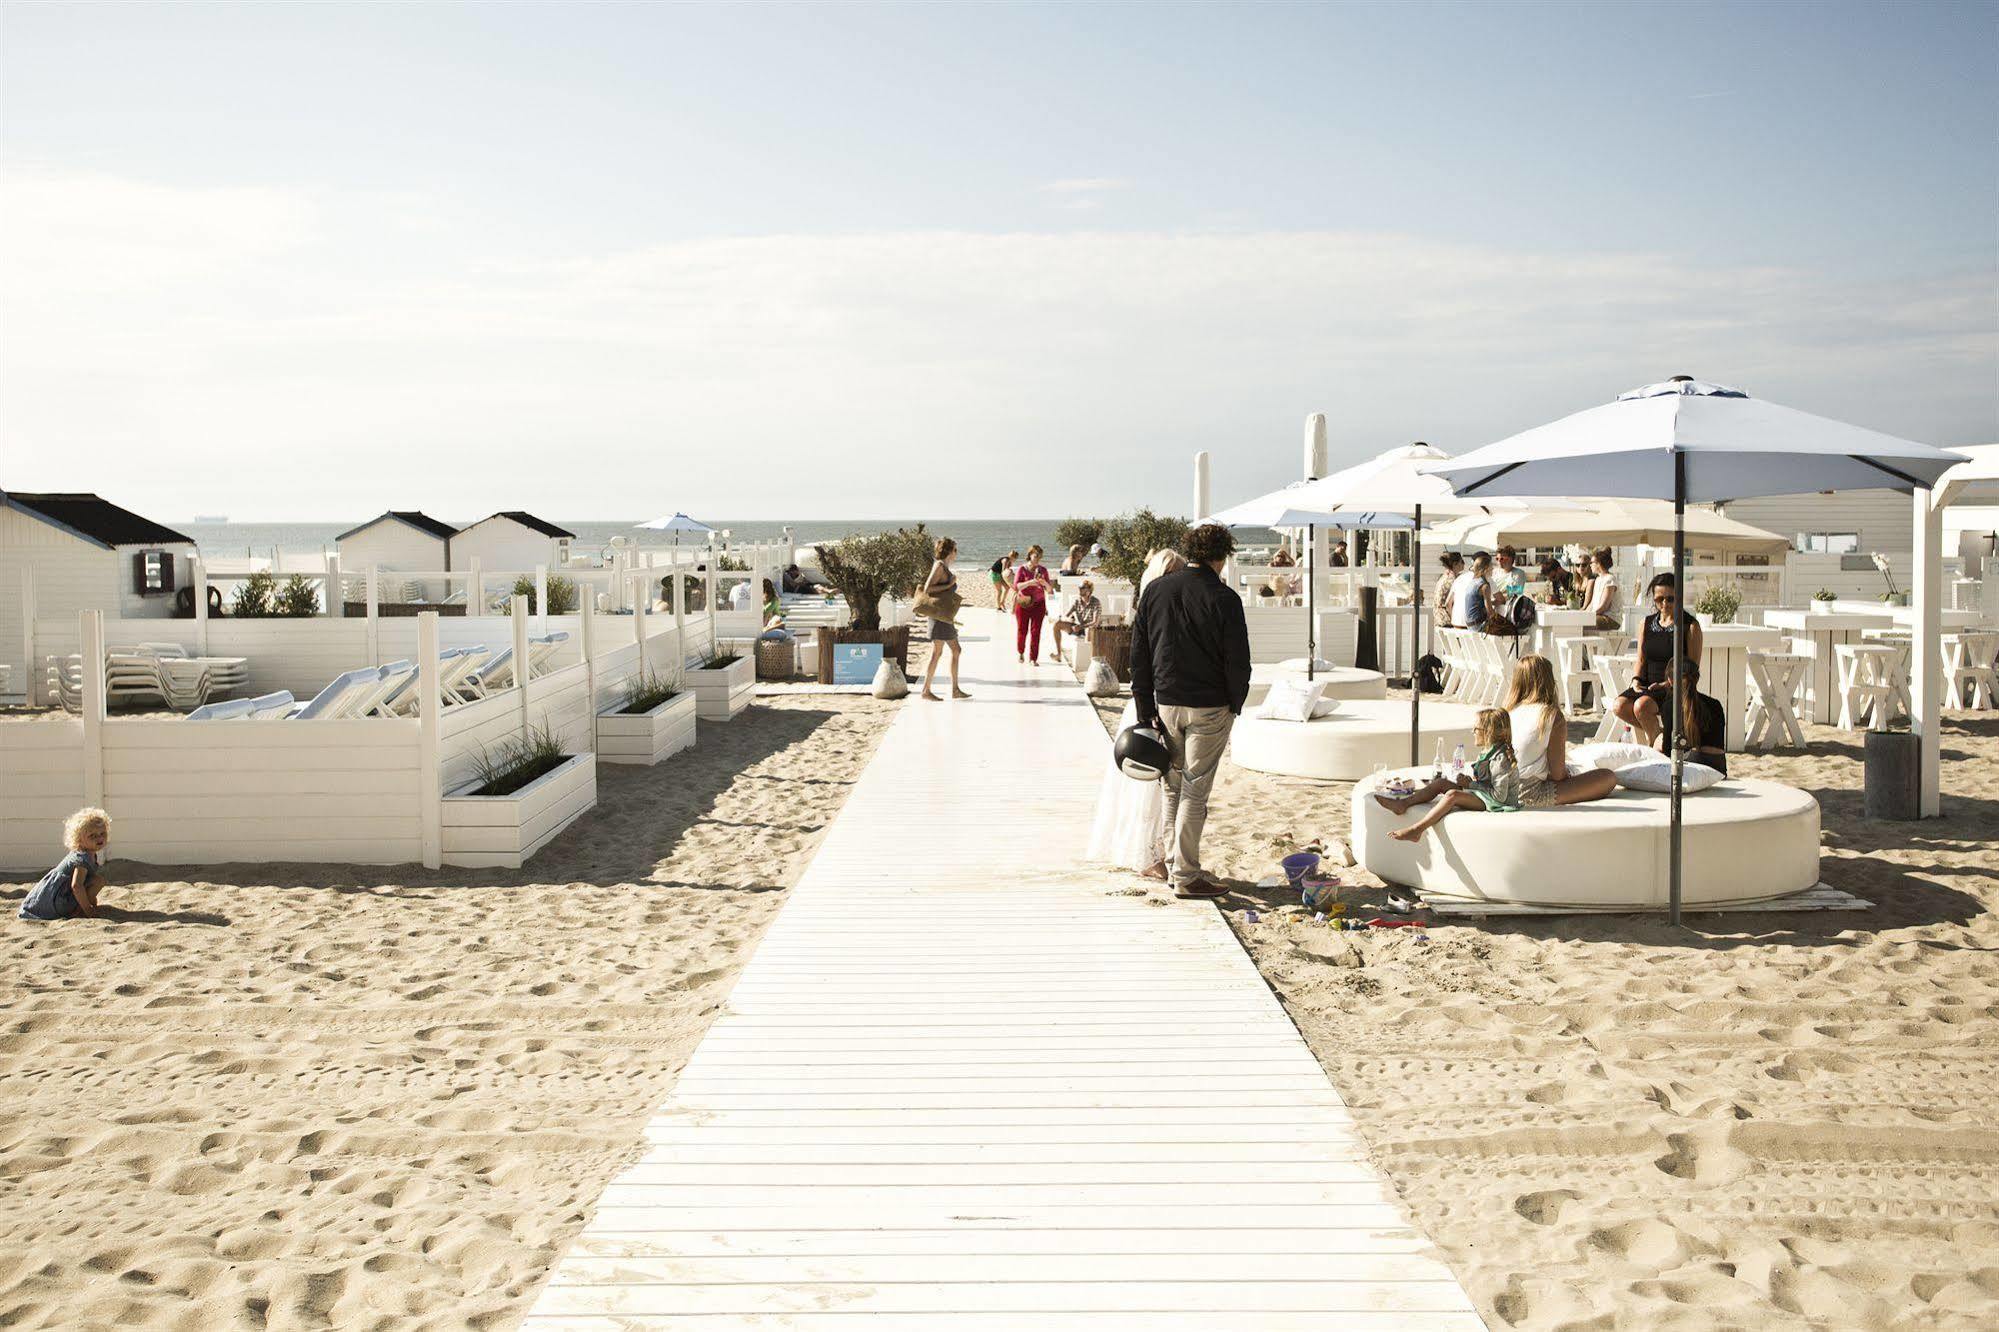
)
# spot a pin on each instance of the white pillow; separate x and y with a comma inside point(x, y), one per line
point(1656, 774)
point(1298, 664)
point(1292, 700)
point(1608, 755)
point(1325, 707)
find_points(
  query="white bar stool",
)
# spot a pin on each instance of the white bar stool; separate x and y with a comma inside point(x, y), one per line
point(1613, 672)
point(1866, 687)
point(1775, 679)
point(1969, 669)
point(1572, 668)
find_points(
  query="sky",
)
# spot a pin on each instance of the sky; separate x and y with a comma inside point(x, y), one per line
point(294, 262)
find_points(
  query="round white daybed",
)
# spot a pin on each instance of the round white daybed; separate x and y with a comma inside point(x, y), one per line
point(1745, 841)
point(1339, 681)
point(1349, 743)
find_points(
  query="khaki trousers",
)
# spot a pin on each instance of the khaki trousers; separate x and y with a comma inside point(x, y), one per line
point(1196, 738)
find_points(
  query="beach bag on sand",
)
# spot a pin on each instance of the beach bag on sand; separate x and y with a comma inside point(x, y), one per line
point(1430, 674)
point(890, 681)
point(1100, 681)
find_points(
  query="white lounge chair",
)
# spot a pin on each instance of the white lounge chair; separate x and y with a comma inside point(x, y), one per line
point(339, 696)
point(235, 709)
point(407, 692)
point(543, 647)
point(455, 666)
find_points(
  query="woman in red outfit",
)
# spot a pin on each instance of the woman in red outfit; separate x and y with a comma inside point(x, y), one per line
point(1031, 586)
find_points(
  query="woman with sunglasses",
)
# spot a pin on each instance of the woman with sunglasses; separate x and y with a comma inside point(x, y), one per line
point(1648, 704)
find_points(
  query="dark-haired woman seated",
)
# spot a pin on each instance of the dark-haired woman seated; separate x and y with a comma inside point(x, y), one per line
point(1647, 705)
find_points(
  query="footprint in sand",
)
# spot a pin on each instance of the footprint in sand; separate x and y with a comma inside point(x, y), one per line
point(1545, 1208)
point(1704, 1156)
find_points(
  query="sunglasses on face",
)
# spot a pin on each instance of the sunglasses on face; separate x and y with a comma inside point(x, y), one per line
point(1664, 600)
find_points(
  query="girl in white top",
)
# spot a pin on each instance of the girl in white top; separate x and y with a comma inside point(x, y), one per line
point(1541, 742)
point(1130, 828)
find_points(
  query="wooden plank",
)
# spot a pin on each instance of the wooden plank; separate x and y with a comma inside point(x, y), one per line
point(1099, 1117)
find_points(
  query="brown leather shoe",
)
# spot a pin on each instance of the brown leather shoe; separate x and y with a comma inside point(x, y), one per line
point(1202, 889)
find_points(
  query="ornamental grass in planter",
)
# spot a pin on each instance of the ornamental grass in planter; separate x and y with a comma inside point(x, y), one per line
point(722, 685)
point(521, 795)
point(654, 719)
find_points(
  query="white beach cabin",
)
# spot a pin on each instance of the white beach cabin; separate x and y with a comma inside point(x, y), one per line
point(63, 553)
point(401, 539)
point(511, 542)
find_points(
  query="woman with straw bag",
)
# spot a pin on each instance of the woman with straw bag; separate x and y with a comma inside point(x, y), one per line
point(938, 601)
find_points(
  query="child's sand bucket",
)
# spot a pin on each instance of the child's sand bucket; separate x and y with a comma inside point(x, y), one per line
point(1298, 865)
point(1320, 894)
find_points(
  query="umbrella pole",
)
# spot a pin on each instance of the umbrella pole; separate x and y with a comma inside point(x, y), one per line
point(1415, 639)
point(1679, 679)
point(1311, 603)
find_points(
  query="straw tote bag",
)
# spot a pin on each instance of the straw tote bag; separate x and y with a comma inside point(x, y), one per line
point(939, 605)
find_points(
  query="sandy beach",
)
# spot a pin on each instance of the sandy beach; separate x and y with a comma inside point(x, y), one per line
point(316, 1096)
point(1767, 1121)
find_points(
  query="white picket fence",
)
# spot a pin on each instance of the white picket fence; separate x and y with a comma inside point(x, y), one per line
point(360, 791)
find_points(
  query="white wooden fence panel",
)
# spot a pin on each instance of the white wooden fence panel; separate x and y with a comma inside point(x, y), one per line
point(41, 784)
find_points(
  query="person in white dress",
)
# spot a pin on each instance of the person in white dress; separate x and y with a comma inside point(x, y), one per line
point(1129, 831)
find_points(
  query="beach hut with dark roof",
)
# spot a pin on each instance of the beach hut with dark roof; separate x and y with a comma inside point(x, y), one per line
point(511, 541)
point(61, 553)
point(399, 541)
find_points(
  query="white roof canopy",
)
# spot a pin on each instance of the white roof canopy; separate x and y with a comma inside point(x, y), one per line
point(1972, 482)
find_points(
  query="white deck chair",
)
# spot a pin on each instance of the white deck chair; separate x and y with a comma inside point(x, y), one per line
point(455, 666)
point(495, 675)
point(235, 709)
point(389, 680)
point(406, 693)
point(541, 648)
point(164, 650)
point(339, 695)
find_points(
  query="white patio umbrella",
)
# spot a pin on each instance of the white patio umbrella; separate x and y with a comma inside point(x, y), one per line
point(1396, 482)
point(676, 523)
point(1687, 440)
point(1613, 523)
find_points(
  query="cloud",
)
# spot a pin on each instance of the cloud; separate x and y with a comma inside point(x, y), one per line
point(377, 352)
point(1081, 193)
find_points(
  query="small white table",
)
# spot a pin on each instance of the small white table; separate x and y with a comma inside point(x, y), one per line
point(1557, 622)
point(1815, 634)
point(1725, 650)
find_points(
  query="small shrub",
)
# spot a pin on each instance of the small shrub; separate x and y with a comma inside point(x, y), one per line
point(561, 596)
point(1084, 532)
point(726, 564)
point(1825, 594)
point(533, 753)
point(297, 598)
point(253, 596)
point(645, 691)
point(716, 661)
point(1720, 603)
point(1130, 539)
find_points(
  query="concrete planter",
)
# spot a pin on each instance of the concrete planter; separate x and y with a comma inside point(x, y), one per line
point(647, 737)
point(505, 830)
point(721, 694)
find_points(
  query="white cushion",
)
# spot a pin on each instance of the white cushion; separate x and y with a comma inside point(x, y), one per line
point(1292, 700)
point(1298, 665)
point(1656, 774)
point(1609, 755)
point(1325, 707)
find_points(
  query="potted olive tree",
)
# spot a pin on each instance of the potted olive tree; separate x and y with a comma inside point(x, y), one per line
point(1128, 541)
point(865, 569)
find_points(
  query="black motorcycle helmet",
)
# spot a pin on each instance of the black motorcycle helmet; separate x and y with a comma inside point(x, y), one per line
point(1141, 753)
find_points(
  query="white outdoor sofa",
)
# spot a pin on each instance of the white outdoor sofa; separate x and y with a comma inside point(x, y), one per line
point(1744, 841)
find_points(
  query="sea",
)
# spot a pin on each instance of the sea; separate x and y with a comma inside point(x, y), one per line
point(980, 541)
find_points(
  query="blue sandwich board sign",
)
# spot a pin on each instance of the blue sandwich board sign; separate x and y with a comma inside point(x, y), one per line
point(856, 663)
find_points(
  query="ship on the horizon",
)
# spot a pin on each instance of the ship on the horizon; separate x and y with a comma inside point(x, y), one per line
point(210, 518)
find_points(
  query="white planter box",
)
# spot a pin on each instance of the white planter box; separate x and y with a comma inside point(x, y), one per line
point(647, 737)
point(506, 830)
point(720, 695)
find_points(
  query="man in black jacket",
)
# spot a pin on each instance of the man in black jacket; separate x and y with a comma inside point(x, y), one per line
point(1190, 677)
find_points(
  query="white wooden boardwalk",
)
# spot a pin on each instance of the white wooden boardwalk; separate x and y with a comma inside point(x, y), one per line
point(992, 1095)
